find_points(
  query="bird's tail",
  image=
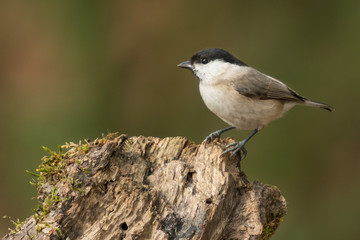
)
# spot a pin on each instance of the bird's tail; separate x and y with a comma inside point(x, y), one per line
point(311, 103)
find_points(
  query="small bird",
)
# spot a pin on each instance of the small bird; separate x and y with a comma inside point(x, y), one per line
point(240, 95)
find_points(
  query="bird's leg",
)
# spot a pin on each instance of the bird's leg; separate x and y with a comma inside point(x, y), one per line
point(239, 147)
point(217, 134)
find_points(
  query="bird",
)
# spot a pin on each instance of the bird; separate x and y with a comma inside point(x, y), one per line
point(240, 95)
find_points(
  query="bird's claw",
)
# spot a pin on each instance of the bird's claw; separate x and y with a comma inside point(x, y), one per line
point(237, 148)
point(216, 134)
point(212, 136)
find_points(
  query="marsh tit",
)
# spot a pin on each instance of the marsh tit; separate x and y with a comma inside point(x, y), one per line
point(240, 95)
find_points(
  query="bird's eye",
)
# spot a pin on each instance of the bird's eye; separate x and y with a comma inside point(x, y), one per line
point(204, 60)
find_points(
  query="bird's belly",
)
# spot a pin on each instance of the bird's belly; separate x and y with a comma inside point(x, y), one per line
point(240, 111)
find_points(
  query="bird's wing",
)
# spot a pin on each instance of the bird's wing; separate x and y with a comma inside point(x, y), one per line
point(260, 86)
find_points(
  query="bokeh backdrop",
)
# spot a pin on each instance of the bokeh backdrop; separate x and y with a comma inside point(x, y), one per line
point(71, 70)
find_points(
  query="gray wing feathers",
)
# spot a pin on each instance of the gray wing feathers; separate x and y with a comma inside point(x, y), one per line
point(260, 86)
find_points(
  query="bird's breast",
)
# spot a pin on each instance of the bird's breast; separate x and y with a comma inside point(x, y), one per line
point(236, 109)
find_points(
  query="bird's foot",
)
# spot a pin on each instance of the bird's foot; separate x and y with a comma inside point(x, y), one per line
point(237, 148)
point(216, 134)
point(213, 136)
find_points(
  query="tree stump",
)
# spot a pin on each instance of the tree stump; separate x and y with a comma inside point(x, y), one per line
point(123, 187)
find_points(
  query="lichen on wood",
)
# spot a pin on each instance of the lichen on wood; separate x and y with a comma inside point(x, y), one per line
point(121, 187)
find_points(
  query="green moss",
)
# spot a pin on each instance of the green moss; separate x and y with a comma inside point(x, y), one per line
point(274, 221)
point(76, 148)
point(17, 224)
point(52, 171)
point(267, 232)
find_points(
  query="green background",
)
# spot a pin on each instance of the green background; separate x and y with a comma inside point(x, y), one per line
point(76, 69)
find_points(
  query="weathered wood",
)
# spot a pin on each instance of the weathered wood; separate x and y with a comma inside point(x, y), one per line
point(152, 188)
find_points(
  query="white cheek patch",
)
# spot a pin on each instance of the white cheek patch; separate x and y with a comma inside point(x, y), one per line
point(218, 70)
point(210, 70)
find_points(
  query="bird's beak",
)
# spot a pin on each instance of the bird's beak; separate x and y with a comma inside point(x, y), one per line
point(186, 65)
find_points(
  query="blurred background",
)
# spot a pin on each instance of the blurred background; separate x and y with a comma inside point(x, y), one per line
point(71, 70)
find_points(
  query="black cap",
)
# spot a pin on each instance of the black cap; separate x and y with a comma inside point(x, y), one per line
point(210, 54)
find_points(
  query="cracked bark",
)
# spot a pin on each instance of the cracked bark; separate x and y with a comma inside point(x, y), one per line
point(152, 188)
